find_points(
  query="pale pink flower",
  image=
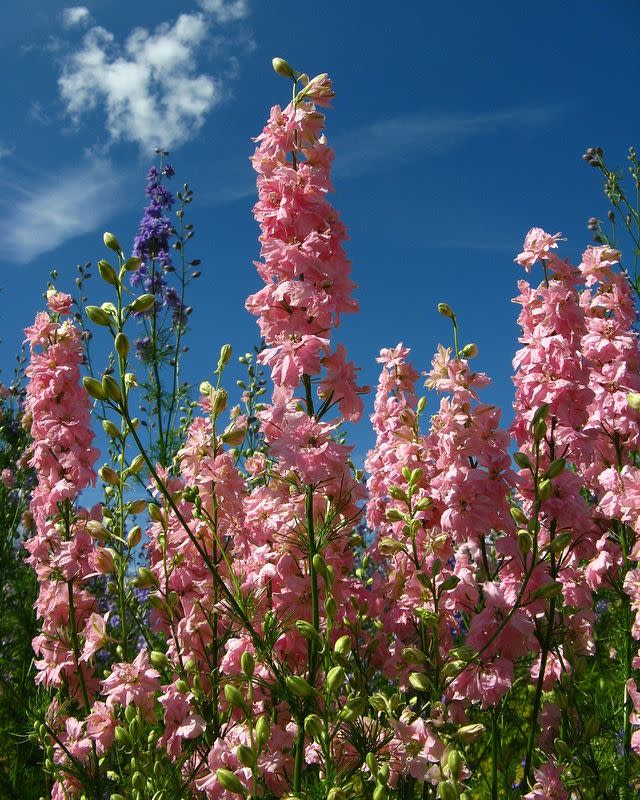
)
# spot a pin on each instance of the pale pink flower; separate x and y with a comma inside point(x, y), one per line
point(537, 244)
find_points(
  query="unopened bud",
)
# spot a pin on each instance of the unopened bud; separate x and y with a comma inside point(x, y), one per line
point(469, 350)
point(229, 781)
point(446, 310)
point(122, 345)
point(111, 241)
point(94, 388)
point(107, 272)
point(283, 68)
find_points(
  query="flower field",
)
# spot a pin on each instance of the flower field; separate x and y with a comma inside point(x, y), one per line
point(228, 605)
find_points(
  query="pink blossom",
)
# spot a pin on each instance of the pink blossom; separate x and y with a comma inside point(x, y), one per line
point(135, 682)
point(537, 244)
point(548, 785)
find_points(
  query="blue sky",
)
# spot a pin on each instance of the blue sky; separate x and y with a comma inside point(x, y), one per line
point(457, 127)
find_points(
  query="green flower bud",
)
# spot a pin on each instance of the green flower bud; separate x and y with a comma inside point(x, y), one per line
point(380, 792)
point(469, 350)
point(107, 273)
point(235, 697)
point(98, 315)
point(283, 68)
point(419, 681)
point(633, 400)
point(555, 468)
point(109, 475)
point(247, 663)
point(319, 565)
point(133, 264)
point(335, 679)
point(246, 755)
point(454, 762)
point(343, 645)
point(146, 578)
point(136, 506)
point(336, 794)
point(111, 388)
point(525, 541)
point(394, 515)
point(218, 401)
point(263, 731)
point(545, 489)
point(372, 763)
point(559, 542)
point(313, 727)
point(471, 733)
point(111, 241)
point(422, 404)
point(229, 781)
point(122, 736)
point(142, 303)
point(522, 460)
point(158, 659)
point(135, 536)
point(299, 686)
point(518, 515)
point(225, 356)
point(307, 630)
point(155, 512)
point(109, 428)
point(122, 344)
point(446, 310)
point(136, 465)
point(182, 686)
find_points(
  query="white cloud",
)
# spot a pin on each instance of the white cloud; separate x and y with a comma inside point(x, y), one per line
point(149, 90)
point(5, 151)
point(401, 138)
point(75, 16)
point(40, 217)
point(226, 10)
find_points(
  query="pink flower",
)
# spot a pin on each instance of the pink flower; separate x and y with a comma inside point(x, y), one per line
point(59, 302)
point(537, 244)
point(548, 785)
point(135, 682)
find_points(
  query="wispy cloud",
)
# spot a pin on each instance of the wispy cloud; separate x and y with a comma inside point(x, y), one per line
point(226, 10)
point(40, 215)
point(397, 139)
point(75, 16)
point(5, 151)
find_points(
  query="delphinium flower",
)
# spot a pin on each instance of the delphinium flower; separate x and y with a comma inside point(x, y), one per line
point(62, 550)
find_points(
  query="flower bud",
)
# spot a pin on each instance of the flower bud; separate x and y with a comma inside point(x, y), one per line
point(545, 487)
point(182, 686)
point(122, 344)
point(218, 401)
point(307, 630)
point(110, 429)
point(446, 310)
point(248, 664)
point(146, 578)
point(522, 460)
point(419, 681)
point(343, 645)
point(97, 531)
point(235, 697)
point(246, 755)
point(380, 792)
point(633, 400)
point(471, 733)
point(555, 468)
point(313, 727)
point(319, 565)
point(98, 315)
point(225, 356)
point(107, 272)
point(136, 465)
point(135, 536)
point(283, 68)
point(94, 388)
point(263, 730)
point(469, 350)
point(132, 264)
point(109, 475)
point(299, 686)
point(335, 679)
point(111, 241)
point(454, 762)
point(422, 404)
point(229, 781)
point(525, 541)
point(142, 303)
point(111, 388)
point(158, 659)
